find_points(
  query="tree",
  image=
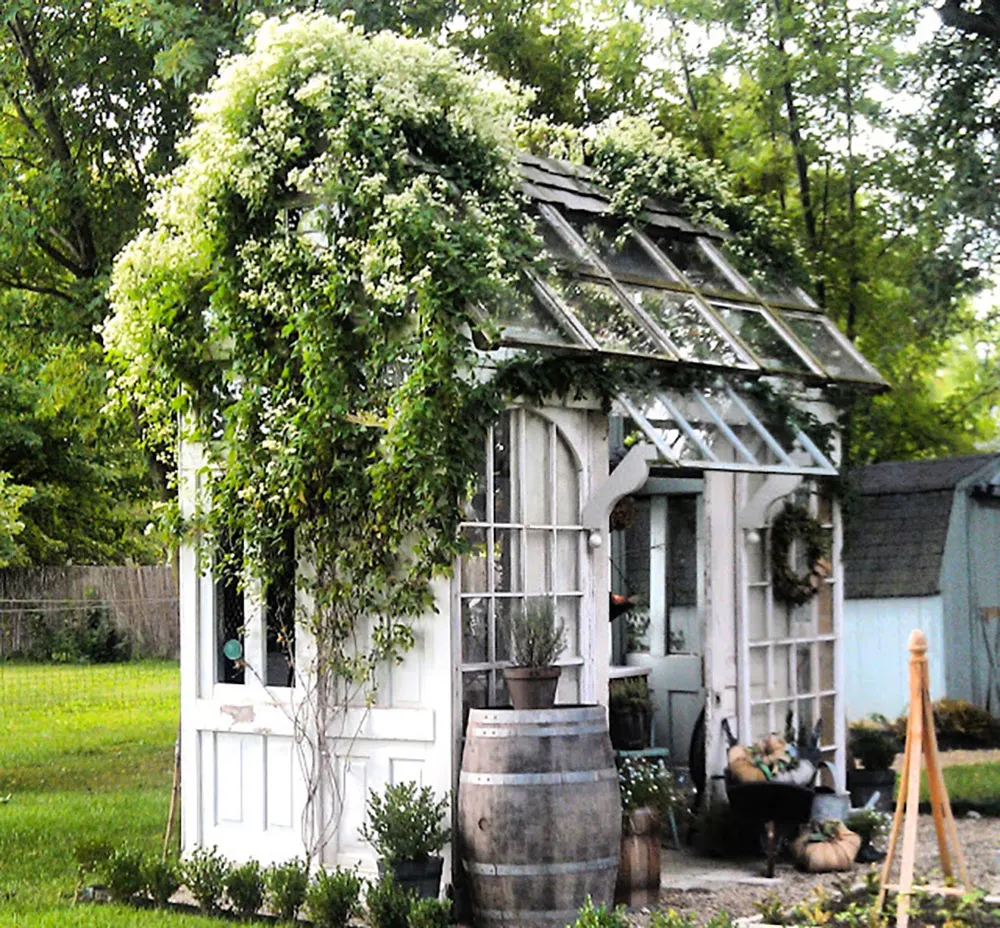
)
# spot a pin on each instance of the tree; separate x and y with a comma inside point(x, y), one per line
point(811, 91)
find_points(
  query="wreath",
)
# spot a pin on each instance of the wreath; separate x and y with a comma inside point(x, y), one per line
point(795, 523)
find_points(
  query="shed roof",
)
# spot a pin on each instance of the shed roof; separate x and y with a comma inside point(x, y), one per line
point(663, 289)
point(895, 534)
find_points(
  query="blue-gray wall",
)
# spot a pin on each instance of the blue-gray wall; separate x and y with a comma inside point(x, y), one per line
point(970, 581)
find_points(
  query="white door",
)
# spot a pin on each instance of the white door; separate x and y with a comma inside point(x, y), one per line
point(665, 566)
point(257, 782)
point(242, 788)
point(789, 657)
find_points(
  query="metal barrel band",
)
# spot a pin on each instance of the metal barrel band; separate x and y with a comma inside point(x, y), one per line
point(552, 869)
point(538, 779)
point(542, 731)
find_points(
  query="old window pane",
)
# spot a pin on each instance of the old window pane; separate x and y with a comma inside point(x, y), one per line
point(764, 339)
point(280, 618)
point(816, 333)
point(229, 613)
point(693, 261)
point(678, 315)
point(618, 248)
point(601, 313)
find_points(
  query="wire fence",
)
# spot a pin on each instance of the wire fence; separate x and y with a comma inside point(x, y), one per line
point(55, 693)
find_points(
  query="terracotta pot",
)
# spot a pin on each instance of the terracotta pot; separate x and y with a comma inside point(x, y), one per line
point(639, 864)
point(532, 687)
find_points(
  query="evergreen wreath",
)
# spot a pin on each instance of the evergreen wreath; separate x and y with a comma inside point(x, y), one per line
point(796, 523)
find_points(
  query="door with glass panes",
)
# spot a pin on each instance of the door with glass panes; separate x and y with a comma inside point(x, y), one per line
point(790, 655)
point(241, 775)
point(526, 543)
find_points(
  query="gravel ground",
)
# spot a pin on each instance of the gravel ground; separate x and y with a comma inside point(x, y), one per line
point(979, 838)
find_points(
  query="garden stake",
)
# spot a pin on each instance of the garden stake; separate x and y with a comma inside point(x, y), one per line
point(174, 795)
point(921, 740)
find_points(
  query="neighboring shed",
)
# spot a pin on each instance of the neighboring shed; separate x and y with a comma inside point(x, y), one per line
point(922, 550)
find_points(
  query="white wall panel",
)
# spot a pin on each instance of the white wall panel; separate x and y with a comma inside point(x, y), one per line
point(279, 755)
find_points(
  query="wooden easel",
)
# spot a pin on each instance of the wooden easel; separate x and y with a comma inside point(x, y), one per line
point(921, 740)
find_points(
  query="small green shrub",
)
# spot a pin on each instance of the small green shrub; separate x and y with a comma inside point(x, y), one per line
point(388, 903)
point(286, 885)
point(86, 637)
point(123, 873)
point(406, 823)
point(430, 913)
point(600, 916)
point(332, 898)
point(870, 824)
point(671, 918)
point(771, 909)
point(873, 743)
point(244, 886)
point(960, 724)
point(160, 879)
point(537, 638)
point(204, 875)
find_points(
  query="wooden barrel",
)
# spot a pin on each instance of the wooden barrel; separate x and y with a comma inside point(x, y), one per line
point(539, 816)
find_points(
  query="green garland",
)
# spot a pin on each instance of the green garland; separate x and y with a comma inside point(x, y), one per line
point(795, 523)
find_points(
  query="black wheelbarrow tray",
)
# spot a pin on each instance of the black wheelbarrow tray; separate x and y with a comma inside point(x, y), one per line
point(767, 805)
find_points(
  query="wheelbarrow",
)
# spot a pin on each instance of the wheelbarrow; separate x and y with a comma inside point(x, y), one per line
point(775, 809)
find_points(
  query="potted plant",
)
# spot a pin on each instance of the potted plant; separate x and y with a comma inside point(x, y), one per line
point(630, 713)
point(406, 828)
point(536, 641)
point(649, 793)
point(868, 824)
point(874, 745)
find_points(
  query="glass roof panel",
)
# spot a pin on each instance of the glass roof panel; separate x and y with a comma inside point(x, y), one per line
point(604, 316)
point(619, 249)
point(713, 428)
point(773, 285)
point(560, 250)
point(764, 339)
point(830, 348)
point(681, 320)
point(524, 318)
point(694, 262)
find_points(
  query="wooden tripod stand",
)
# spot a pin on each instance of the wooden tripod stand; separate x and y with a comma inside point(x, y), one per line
point(921, 740)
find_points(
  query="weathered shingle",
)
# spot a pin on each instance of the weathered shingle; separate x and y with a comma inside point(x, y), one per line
point(897, 524)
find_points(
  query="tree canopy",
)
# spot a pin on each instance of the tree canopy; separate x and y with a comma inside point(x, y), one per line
point(895, 207)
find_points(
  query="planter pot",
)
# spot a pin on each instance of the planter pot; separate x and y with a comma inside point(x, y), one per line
point(631, 727)
point(420, 877)
point(863, 784)
point(532, 687)
point(638, 881)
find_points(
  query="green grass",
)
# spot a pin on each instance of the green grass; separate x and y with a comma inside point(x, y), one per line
point(970, 786)
point(86, 754)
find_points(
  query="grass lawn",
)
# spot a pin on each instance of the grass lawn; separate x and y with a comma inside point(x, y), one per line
point(86, 754)
point(970, 786)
